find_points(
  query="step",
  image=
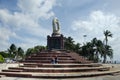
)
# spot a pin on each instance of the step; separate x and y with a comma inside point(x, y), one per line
point(11, 70)
point(48, 58)
point(72, 75)
point(50, 53)
point(16, 74)
point(63, 70)
point(56, 70)
point(60, 65)
point(28, 65)
point(16, 68)
point(58, 75)
point(49, 61)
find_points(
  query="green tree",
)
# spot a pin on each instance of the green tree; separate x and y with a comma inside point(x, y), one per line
point(107, 49)
point(107, 34)
point(88, 51)
point(15, 52)
point(20, 53)
point(69, 44)
point(29, 51)
point(13, 49)
point(35, 50)
point(1, 59)
point(4, 54)
point(39, 48)
point(77, 48)
point(97, 46)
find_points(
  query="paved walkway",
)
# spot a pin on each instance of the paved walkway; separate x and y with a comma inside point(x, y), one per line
point(110, 77)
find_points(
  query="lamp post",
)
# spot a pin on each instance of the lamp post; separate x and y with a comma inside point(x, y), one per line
point(84, 38)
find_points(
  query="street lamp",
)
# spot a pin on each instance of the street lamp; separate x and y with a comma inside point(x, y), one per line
point(84, 38)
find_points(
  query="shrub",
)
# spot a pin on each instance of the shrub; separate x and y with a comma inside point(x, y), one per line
point(1, 59)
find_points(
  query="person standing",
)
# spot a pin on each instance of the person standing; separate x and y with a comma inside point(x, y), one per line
point(56, 59)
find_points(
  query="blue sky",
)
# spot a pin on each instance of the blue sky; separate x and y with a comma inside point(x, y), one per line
point(27, 23)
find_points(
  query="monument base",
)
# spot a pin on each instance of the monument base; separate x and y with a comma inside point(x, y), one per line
point(55, 42)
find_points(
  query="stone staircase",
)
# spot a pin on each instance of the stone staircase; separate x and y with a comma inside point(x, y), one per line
point(69, 65)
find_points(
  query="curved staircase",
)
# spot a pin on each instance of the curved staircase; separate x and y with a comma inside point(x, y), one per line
point(70, 65)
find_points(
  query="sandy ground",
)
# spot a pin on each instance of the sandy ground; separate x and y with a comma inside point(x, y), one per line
point(107, 77)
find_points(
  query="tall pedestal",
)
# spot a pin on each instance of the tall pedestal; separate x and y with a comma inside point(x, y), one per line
point(55, 42)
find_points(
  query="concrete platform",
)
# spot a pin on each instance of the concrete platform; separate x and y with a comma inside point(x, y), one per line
point(70, 65)
point(58, 75)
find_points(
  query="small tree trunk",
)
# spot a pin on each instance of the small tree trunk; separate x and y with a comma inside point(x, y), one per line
point(104, 61)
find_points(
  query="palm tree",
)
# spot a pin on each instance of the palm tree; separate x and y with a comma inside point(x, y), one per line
point(20, 52)
point(69, 43)
point(88, 51)
point(97, 48)
point(29, 51)
point(77, 48)
point(13, 47)
point(35, 50)
point(12, 50)
point(9, 53)
point(39, 48)
point(107, 49)
point(107, 34)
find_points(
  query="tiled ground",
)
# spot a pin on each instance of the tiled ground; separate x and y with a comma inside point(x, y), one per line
point(110, 77)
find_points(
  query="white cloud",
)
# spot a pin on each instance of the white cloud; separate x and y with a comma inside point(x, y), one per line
point(96, 23)
point(37, 8)
point(5, 35)
point(25, 20)
point(98, 20)
point(94, 26)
